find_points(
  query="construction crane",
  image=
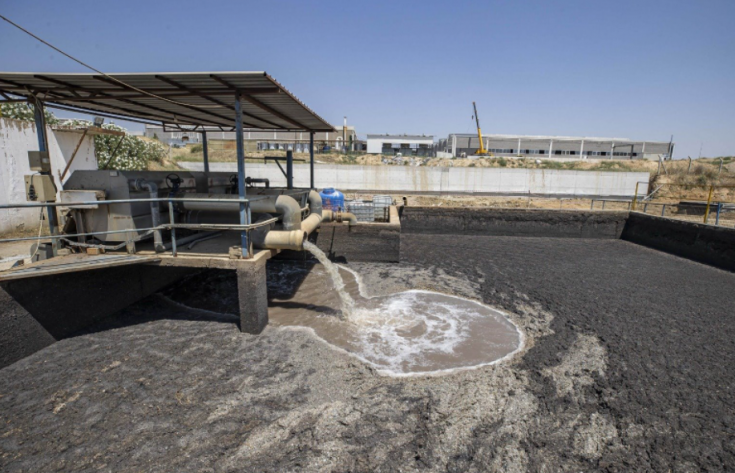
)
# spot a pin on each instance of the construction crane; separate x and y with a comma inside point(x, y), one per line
point(481, 151)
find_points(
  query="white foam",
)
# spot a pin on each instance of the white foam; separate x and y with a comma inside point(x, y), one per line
point(419, 332)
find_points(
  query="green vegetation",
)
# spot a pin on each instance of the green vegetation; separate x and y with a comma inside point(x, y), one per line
point(196, 149)
point(132, 153)
point(24, 111)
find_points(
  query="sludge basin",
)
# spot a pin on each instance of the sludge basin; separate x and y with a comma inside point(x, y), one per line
point(405, 333)
point(628, 365)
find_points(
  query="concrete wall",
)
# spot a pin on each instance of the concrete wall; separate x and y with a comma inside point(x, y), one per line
point(374, 242)
point(704, 243)
point(437, 180)
point(513, 222)
point(36, 312)
point(17, 137)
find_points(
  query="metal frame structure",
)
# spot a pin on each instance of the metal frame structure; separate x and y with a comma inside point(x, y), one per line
point(193, 102)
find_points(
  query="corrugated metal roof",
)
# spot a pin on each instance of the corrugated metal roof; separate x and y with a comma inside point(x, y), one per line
point(179, 99)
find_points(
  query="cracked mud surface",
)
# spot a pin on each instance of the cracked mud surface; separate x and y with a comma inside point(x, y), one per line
point(628, 366)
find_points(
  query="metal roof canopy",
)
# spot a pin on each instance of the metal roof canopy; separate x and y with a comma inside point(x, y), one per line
point(186, 101)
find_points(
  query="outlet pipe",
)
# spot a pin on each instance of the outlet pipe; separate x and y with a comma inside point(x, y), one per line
point(266, 238)
point(330, 216)
point(150, 186)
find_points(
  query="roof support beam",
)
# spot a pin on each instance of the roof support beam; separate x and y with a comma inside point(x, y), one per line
point(259, 104)
point(138, 104)
point(218, 102)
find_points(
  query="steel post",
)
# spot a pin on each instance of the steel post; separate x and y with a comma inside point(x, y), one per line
point(717, 216)
point(635, 197)
point(205, 151)
point(311, 159)
point(289, 169)
point(40, 121)
point(173, 229)
point(709, 203)
point(244, 220)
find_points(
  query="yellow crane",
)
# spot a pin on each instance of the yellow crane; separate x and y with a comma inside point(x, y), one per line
point(481, 151)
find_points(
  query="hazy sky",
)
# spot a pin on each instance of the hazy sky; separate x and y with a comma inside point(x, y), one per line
point(632, 69)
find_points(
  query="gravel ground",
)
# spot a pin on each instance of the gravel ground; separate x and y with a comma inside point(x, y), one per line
point(628, 367)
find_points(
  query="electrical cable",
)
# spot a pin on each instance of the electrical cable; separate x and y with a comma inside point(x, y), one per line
point(102, 73)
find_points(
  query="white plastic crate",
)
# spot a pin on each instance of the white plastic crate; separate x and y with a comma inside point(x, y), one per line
point(363, 211)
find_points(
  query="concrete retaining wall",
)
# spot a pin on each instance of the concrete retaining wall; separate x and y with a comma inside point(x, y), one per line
point(36, 312)
point(513, 222)
point(437, 180)
point(376, 242)
point(704, 243)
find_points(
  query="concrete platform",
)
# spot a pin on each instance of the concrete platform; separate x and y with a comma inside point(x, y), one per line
point(47, 301)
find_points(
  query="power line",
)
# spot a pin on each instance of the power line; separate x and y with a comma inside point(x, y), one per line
point(100, 72)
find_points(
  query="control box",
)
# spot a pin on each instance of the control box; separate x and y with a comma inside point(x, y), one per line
point(40, 188)
point(39, 161)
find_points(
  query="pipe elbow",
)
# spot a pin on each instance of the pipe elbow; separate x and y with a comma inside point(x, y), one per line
point(291, 212)
point(315, 203)
point(310, 223)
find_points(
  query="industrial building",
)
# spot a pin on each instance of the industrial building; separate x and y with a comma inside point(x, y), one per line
point(407, 145)
point(570, 147)
point(259, 140)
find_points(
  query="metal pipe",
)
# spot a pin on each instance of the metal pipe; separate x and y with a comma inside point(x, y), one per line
point(284, 205)
point(265, 237)
point(251, 180)
point(315, 213)
point(191, 238)
point(152, 188)
point(330, 216)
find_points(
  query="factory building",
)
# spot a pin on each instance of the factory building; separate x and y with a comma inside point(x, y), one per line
point(569, 147)
point(407, 145)
point(257, 140)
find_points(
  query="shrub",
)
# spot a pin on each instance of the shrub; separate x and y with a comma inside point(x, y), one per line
point(133, 153)
point(196, 149)
point(24, 111)
point(502, 162)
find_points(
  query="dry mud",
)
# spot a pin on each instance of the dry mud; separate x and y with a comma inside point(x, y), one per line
point(628, 366)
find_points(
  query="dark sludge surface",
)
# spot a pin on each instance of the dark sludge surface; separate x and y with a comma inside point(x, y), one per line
point(629, 367)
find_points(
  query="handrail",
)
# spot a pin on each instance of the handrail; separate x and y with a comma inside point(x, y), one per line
point(123, 201)
point(163, 226)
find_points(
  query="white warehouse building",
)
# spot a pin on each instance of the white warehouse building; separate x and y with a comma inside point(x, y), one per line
point(407, 145)
point(574, 147)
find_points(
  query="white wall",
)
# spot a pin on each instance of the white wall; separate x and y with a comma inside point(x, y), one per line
point(449, 180)
point(16, 139)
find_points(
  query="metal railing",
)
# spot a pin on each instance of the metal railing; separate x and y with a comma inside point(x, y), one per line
point(171, 225)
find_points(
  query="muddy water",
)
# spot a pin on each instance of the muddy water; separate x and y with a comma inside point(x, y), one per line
point(346, 301)
point(412, 332)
